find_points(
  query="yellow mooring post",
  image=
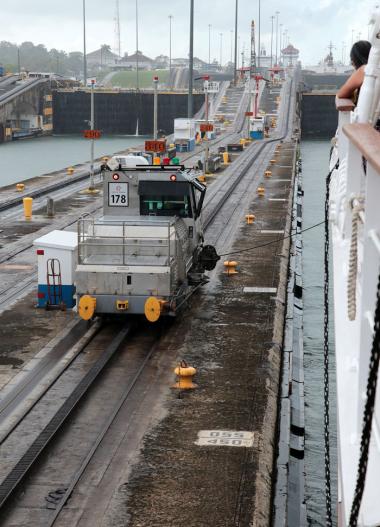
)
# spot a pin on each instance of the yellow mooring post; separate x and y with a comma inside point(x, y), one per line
point(28, 204)
point(225, 158)
point(185, 374)
point(250, 218)
point(230, 267)
point(20, 187)
point(261, 192)
point(268, 173)
point(70, 171)
point(156, 161)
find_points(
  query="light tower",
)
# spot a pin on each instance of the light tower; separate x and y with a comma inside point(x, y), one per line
point(117, 30)
point(253, 65)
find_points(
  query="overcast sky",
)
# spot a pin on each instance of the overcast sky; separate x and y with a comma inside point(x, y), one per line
point(311, 24)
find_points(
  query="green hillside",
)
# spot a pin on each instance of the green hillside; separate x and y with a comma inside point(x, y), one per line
point(127, 79)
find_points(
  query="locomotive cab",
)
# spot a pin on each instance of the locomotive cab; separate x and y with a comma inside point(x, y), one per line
point(146, 253)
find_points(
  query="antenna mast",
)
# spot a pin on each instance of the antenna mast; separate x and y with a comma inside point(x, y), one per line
point(117, 30)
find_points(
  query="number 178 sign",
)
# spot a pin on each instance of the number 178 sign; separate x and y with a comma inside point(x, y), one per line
point(118, 194)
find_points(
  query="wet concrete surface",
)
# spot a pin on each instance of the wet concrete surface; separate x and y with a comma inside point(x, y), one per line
point(24, 330)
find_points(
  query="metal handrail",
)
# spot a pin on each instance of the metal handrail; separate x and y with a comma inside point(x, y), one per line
point(124, 241)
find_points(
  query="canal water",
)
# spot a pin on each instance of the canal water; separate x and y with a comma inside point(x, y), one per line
point(315, 163)
point(28, 158)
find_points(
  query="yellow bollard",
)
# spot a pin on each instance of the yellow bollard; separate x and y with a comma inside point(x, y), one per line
point(105, 159)
point(225, 158)
point(20, 187)
point(202, 178)
point(156, 161)
point(70, 171)
point(250, 218)
point(230, 267)
point(242, 141)
point(261, 191)
point(185, 374)
point(267, 173)
point(272, 161)
point(28, 203)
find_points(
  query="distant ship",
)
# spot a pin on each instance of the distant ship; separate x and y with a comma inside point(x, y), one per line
point(329, 66)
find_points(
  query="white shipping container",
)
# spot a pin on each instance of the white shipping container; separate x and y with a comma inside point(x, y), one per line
point(184, 129)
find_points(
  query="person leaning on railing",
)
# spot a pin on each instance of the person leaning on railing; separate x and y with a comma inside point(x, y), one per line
point(359, 58)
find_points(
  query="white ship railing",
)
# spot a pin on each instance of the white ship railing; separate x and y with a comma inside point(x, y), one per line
point(355, 190)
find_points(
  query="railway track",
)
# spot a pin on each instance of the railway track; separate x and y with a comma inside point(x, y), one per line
point(58, 414)
point(58, 417)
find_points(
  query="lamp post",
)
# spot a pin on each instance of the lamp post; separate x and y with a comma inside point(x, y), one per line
point(206, 87)
point(221, 49)
point(209, 45)
point(236, 42)
point(277, 13)
point(231, 32)
point(92, 126)
point(18, 60)
point(271, 43)
point(137, 46)
point(191, 62)
point(155, 84)
point(281, 42)
point(170, 50)
point(259, 42)
point(84, 45)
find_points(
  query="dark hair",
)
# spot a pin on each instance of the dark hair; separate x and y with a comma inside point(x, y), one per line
point(359, 53)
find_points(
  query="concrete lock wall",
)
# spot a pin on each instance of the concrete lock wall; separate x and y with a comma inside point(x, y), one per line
point(319, 116)
point(118, 113)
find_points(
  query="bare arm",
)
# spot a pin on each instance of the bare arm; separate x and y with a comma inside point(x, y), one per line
point(353, 83)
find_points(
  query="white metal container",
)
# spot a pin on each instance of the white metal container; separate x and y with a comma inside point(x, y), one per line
point(184, 129)
point(60, 246)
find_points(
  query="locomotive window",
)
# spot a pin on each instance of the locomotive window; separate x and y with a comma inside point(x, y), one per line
point(165, 206)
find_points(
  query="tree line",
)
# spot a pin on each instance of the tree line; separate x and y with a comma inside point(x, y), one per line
point(30, 57)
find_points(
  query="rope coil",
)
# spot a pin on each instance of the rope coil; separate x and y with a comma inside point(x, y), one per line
point(353, 259)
